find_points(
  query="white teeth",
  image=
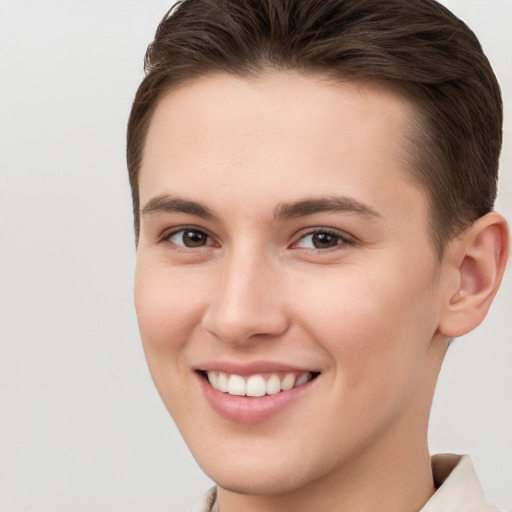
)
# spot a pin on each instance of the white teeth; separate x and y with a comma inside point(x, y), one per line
point(222, 382)
point(273, 385)
point(288, 382)
point(236, 385)
point(255, 385)
point(303, 379)
point(213, 378)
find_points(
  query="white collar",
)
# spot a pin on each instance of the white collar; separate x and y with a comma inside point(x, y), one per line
point(458, 486)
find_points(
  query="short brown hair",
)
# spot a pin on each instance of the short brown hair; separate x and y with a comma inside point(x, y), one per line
point(415, 46)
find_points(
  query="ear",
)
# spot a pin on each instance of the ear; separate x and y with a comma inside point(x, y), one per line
point(477, 259)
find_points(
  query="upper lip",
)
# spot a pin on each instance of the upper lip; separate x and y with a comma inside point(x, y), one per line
point(251, 368)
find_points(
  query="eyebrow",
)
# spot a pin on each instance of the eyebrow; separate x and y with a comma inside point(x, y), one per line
point(323, 204)
point(286, 210)
point(170, 204)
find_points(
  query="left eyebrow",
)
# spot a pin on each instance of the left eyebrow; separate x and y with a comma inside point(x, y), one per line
point(323, 204)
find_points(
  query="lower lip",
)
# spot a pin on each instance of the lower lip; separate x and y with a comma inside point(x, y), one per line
point(243, 409)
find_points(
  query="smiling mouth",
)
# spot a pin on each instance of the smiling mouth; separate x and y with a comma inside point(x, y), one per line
point(257, 385)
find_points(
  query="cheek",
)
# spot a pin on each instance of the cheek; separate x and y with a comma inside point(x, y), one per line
point(167, 312)
point(376, 327)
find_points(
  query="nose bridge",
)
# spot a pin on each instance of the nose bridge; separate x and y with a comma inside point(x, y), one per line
point(246, 301)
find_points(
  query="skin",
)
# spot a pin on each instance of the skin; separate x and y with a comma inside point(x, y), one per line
point(371, 314)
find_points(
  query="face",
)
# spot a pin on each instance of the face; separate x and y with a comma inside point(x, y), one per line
point(284, 254)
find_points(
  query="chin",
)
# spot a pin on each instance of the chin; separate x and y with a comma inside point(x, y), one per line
point(255, 483)
point(248, 474)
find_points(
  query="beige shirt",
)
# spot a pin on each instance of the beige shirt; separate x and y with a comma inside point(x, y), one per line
point(458, 488)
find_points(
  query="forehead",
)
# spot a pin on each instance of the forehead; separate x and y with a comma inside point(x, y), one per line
point(281, 133)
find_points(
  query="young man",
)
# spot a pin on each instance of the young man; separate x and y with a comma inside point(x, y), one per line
point(313, 185)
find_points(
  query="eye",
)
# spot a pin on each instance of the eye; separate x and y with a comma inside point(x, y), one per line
point(322, 239)
point(189, 238)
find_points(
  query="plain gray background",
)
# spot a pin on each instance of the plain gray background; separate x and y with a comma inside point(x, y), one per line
point(81, 426)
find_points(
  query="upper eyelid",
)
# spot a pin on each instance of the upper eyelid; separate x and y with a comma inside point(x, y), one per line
point(333, 231)
point(172, 231)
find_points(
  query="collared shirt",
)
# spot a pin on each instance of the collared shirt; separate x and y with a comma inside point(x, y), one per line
point(458, 488)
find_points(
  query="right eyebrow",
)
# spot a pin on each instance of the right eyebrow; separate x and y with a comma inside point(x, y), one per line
point(170, 204)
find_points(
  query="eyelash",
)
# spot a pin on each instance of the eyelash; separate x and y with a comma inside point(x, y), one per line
point(342, 239)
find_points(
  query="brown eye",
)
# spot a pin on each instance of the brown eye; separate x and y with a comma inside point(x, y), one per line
point(190, 238)
point(322, 239)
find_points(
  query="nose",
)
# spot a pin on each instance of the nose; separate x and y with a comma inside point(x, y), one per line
point(248, 301)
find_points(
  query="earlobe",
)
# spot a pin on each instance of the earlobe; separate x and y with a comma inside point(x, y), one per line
point(479, 259)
